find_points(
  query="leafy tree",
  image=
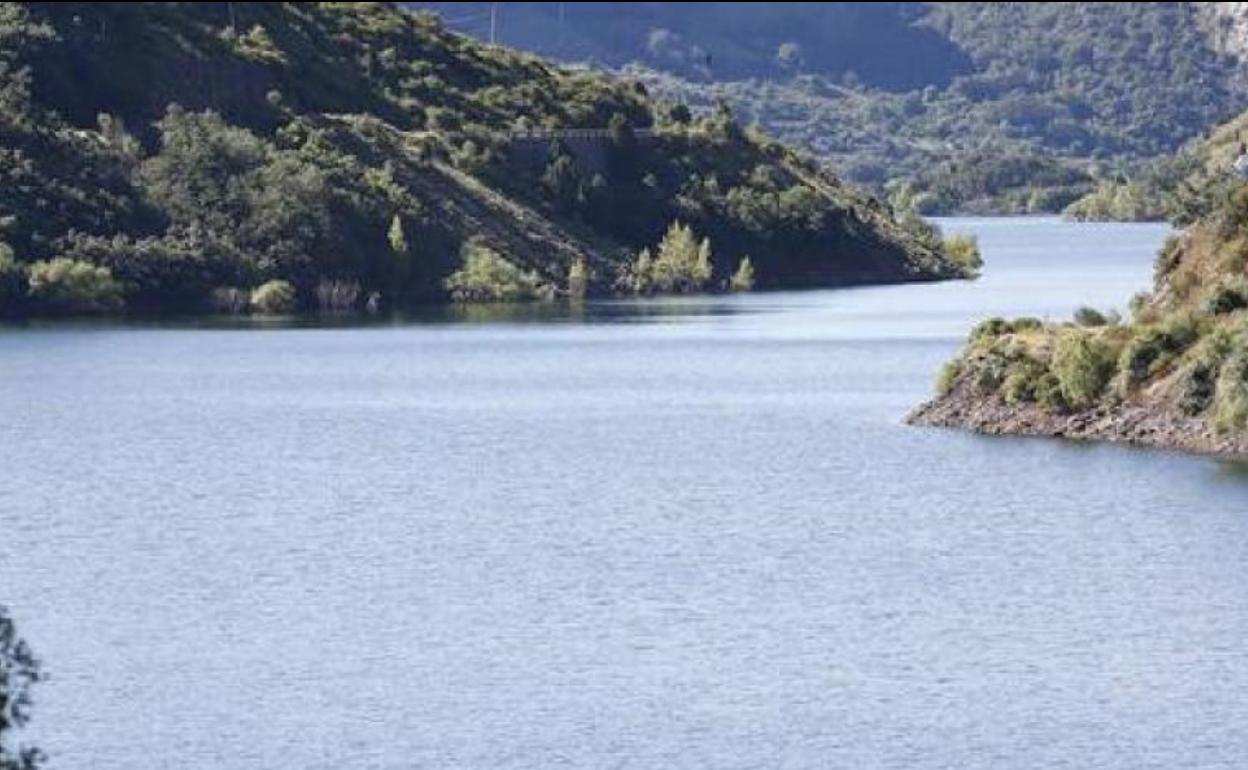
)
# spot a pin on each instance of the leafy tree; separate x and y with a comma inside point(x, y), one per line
point(274, 297)
point(67, 286)
point(487, 277)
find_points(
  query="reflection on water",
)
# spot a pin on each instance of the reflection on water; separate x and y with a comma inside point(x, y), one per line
point(502, 538)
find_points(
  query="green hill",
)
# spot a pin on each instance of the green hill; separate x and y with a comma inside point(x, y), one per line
point(191, 156)
point(1002, 107)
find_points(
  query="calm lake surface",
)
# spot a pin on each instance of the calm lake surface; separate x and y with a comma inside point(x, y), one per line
point(672, 534)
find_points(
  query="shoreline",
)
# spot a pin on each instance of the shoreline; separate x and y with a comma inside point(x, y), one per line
point(1137, 424)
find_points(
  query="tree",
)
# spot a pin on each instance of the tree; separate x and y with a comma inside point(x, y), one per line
point(396, 236)
point(743, 279)
point(578, 278)
point(19, 672)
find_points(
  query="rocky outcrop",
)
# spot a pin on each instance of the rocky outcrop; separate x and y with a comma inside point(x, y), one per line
point(1143, 423)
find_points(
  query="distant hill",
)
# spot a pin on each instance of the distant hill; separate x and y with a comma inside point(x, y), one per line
point(282, 156)
point(917, 98)
point(727, 41)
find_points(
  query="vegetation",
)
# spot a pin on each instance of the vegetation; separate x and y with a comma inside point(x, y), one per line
point(996, 107)
point(352, 150)
point(681, 264)
point(1183, 188)
point(276, 297)
point(19, 673)
point(743, 278)
point(487, 277)
point(1185, 351)
point(964, 251)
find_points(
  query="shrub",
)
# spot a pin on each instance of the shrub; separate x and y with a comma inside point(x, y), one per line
point(1153, 348)
point(743, 278)
point(948, 376)
point(1022, 380)
point(1197, 386)
point(1026, 324)
point(963, 251)
point(68, 286)
point(1048, 393)
point(1083, 364)
point(275, 297)
point(991, 329)
point(487, 277)
point(1228, 296)
point(1230, 404)
point(1090, 316)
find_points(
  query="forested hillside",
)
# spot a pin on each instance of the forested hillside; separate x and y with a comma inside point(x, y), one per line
point(949, 106)
point(1182, 188)
point(186, 156)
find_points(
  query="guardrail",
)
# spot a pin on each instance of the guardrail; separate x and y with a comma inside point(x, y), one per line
point(570, 133)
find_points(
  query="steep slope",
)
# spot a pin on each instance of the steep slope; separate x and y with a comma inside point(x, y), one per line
point(950, 106)
point(167, 156)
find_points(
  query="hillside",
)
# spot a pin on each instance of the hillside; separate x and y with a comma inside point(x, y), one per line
point(994, 107)
point(1181, 189)
point(1175, 375)
point(179, 157)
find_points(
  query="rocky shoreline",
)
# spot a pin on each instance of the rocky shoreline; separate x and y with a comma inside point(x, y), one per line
point(1141, 424)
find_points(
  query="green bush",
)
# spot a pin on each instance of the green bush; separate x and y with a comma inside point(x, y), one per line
point(487, 277)
point(275, 297)
point(1152, 348)
point(1083, 364)
point(71, 287)
point(948, 376)
point(1022, 381)
point(1197, 386)
point(1048, 393)
point(1228, 296)
point(1230, 404)
point(990, 329)
point(963, 251)
point(1090, 316)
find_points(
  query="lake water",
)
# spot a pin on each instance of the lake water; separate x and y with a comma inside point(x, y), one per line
point(671, 534)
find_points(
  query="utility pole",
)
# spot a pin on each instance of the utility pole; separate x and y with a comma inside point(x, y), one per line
point(493, 23)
